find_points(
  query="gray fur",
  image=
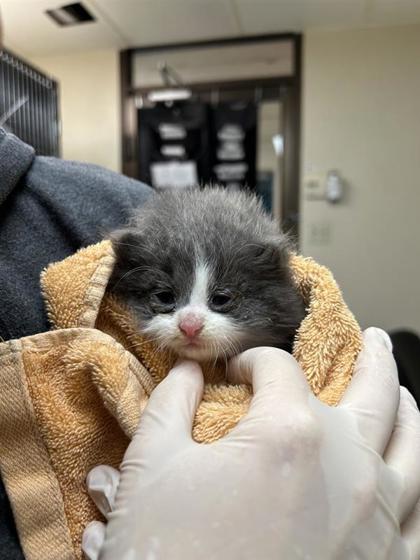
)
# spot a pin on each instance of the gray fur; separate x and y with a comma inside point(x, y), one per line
point(243, 246)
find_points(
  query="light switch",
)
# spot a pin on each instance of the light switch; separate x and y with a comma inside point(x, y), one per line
point(314, 187)
point(328, 186)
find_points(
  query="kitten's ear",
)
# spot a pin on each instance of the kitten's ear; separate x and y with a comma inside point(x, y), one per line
point(279, 247)
point(127, 244)
point(275, 249)
point(270, 252)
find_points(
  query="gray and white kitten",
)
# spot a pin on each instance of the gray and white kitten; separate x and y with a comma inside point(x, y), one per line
point(206, 273)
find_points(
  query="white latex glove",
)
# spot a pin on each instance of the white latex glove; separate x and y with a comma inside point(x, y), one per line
point(294, 479)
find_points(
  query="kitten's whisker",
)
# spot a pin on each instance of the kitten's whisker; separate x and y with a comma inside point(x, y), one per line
point(161, 346)
point(234, 348)
point(213, 348)
point(225, 359)
point(136, 269)
point(143, 343)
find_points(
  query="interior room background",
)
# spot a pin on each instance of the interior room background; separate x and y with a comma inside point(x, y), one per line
point(360, 86)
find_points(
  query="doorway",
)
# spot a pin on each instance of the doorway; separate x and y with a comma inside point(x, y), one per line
point(262, 73)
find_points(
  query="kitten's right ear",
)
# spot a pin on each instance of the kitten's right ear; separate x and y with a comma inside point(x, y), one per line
point(127, 243)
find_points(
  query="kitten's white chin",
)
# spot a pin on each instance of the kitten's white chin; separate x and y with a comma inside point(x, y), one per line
point(199, 354)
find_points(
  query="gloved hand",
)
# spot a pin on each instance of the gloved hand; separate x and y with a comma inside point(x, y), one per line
point(294, 479)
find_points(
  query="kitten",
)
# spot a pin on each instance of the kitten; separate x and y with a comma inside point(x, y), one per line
point(206, 273)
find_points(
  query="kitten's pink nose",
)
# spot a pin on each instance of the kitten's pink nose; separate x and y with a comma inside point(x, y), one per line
point(191, 325)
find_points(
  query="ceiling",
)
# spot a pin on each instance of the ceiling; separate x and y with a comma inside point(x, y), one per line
point(127, 23)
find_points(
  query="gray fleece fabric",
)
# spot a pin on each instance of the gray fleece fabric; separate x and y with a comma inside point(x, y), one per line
point(49, 208)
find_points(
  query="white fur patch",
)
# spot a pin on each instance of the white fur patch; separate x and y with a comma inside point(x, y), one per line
point(199, 292)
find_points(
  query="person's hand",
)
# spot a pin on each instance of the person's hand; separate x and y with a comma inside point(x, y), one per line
point(294, 479)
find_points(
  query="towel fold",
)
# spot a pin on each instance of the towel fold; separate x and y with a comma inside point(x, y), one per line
point(71, 398)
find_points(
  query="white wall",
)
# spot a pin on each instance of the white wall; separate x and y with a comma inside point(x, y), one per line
point(362, 116)
point(90, 104)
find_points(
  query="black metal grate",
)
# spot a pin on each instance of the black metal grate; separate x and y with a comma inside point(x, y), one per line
point(29, 104)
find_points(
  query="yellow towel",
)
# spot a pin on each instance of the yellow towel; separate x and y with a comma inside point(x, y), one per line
point(71, 398)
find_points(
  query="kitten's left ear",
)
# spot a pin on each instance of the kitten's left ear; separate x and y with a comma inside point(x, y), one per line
point(270, 252)
point(275, 249)
point(256, 254)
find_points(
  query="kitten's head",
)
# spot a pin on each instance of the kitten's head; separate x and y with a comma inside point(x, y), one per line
point(206, 273)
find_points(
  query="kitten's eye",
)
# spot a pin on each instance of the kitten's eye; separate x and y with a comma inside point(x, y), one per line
point(167, 298)
point(163, 302)
point(219, 300)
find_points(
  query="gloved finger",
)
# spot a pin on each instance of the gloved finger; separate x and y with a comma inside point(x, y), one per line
point(102, 484)
point(410, 532)
point(93, 540)
point(278, 382)
point(374, 392)
point(403, 452)
point(168, 417)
